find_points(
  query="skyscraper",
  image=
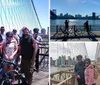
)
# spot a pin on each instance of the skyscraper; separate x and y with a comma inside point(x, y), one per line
point(97, 55)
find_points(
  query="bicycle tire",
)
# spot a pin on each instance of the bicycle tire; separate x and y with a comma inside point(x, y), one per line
point(16, 74)
point(79, 32)
point(4, 82)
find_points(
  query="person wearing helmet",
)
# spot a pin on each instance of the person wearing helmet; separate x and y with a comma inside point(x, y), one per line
point(10, 51)
point(28, 49)
point(89, 73)
point(38, 38)
point(79, 71)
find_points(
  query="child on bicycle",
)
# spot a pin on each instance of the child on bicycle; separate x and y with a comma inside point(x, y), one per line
point(10, 50)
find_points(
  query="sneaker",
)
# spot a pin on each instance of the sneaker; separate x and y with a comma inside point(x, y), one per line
point(13, 81)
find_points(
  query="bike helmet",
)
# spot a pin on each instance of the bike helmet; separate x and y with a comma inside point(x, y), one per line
point(9, 34)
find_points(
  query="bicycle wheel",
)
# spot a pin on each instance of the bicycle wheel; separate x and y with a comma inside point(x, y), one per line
point(16, 75)
point(79, 32)
point(5, 82)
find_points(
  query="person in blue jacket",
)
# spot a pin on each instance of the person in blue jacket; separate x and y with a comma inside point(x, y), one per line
point(79, 70)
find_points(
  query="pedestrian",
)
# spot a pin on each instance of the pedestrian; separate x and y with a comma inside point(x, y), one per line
point(79, 71)
point(86, 26)
point(89, 73)
point(67, 26)
point(28, 48)
point(38, 38)
point(15, 35)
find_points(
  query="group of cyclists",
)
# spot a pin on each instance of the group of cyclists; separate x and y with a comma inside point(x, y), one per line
point(12, 46)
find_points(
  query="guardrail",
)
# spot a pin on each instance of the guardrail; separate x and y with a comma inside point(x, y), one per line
point(63, 78)
point(54, 27)
point(73, 30)
point(44, 55)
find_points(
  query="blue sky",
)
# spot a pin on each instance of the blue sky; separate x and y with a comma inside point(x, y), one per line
point(42, 7)
point(76, 6)
point(19, 13)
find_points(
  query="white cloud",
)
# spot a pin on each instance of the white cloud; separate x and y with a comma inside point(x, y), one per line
point(91, 2)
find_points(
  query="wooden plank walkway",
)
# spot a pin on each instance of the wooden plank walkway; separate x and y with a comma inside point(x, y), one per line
point(98, 80)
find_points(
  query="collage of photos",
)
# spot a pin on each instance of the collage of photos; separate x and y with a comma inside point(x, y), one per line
point(74, 42)
point(49, 42)
point(24, 42)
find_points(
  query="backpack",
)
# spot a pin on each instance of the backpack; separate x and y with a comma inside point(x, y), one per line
point(95, 74)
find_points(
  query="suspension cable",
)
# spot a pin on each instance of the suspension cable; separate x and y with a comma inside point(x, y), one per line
point(32, 3)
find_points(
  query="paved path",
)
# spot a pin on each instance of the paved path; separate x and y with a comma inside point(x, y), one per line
point(40, 78)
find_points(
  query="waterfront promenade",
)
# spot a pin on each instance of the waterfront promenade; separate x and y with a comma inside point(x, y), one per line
point(94, 37)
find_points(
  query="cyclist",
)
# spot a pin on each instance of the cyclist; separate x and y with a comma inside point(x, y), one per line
point(10, 50)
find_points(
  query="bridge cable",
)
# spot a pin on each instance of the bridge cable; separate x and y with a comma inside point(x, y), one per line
point(4, 13)
point(32, 3)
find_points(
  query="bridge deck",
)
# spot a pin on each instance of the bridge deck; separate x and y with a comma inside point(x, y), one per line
point(98, 80)
point(40, 78)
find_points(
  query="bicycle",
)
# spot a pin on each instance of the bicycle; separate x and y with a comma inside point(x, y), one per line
point(5, 77)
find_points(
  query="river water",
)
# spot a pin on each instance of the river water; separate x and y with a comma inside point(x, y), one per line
point(75, 22)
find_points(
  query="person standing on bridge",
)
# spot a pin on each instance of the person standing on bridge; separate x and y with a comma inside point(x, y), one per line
point(67, 27)
point(28, 48)
point(2, 30)
point(79, 70)
point(38, 38)
point(90, 73)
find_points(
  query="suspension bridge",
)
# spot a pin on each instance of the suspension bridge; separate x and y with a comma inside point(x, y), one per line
point(18, 13)
point(15, 14)
point(65, 75)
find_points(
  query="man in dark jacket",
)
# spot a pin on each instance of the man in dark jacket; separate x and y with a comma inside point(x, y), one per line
point(28, 49)
point(79, 70)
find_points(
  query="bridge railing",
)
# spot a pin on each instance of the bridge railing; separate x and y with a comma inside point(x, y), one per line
point(56, 28)
point(44, 55)
point(63, 78)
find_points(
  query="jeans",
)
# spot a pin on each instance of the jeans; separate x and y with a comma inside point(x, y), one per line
point(81, 81)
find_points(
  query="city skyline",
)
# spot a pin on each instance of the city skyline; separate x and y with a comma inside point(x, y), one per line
point(82, 7)
point(55, 53)
point(62, 61)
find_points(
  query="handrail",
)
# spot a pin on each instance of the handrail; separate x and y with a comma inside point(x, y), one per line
point(65, 77)
point(64, 81)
